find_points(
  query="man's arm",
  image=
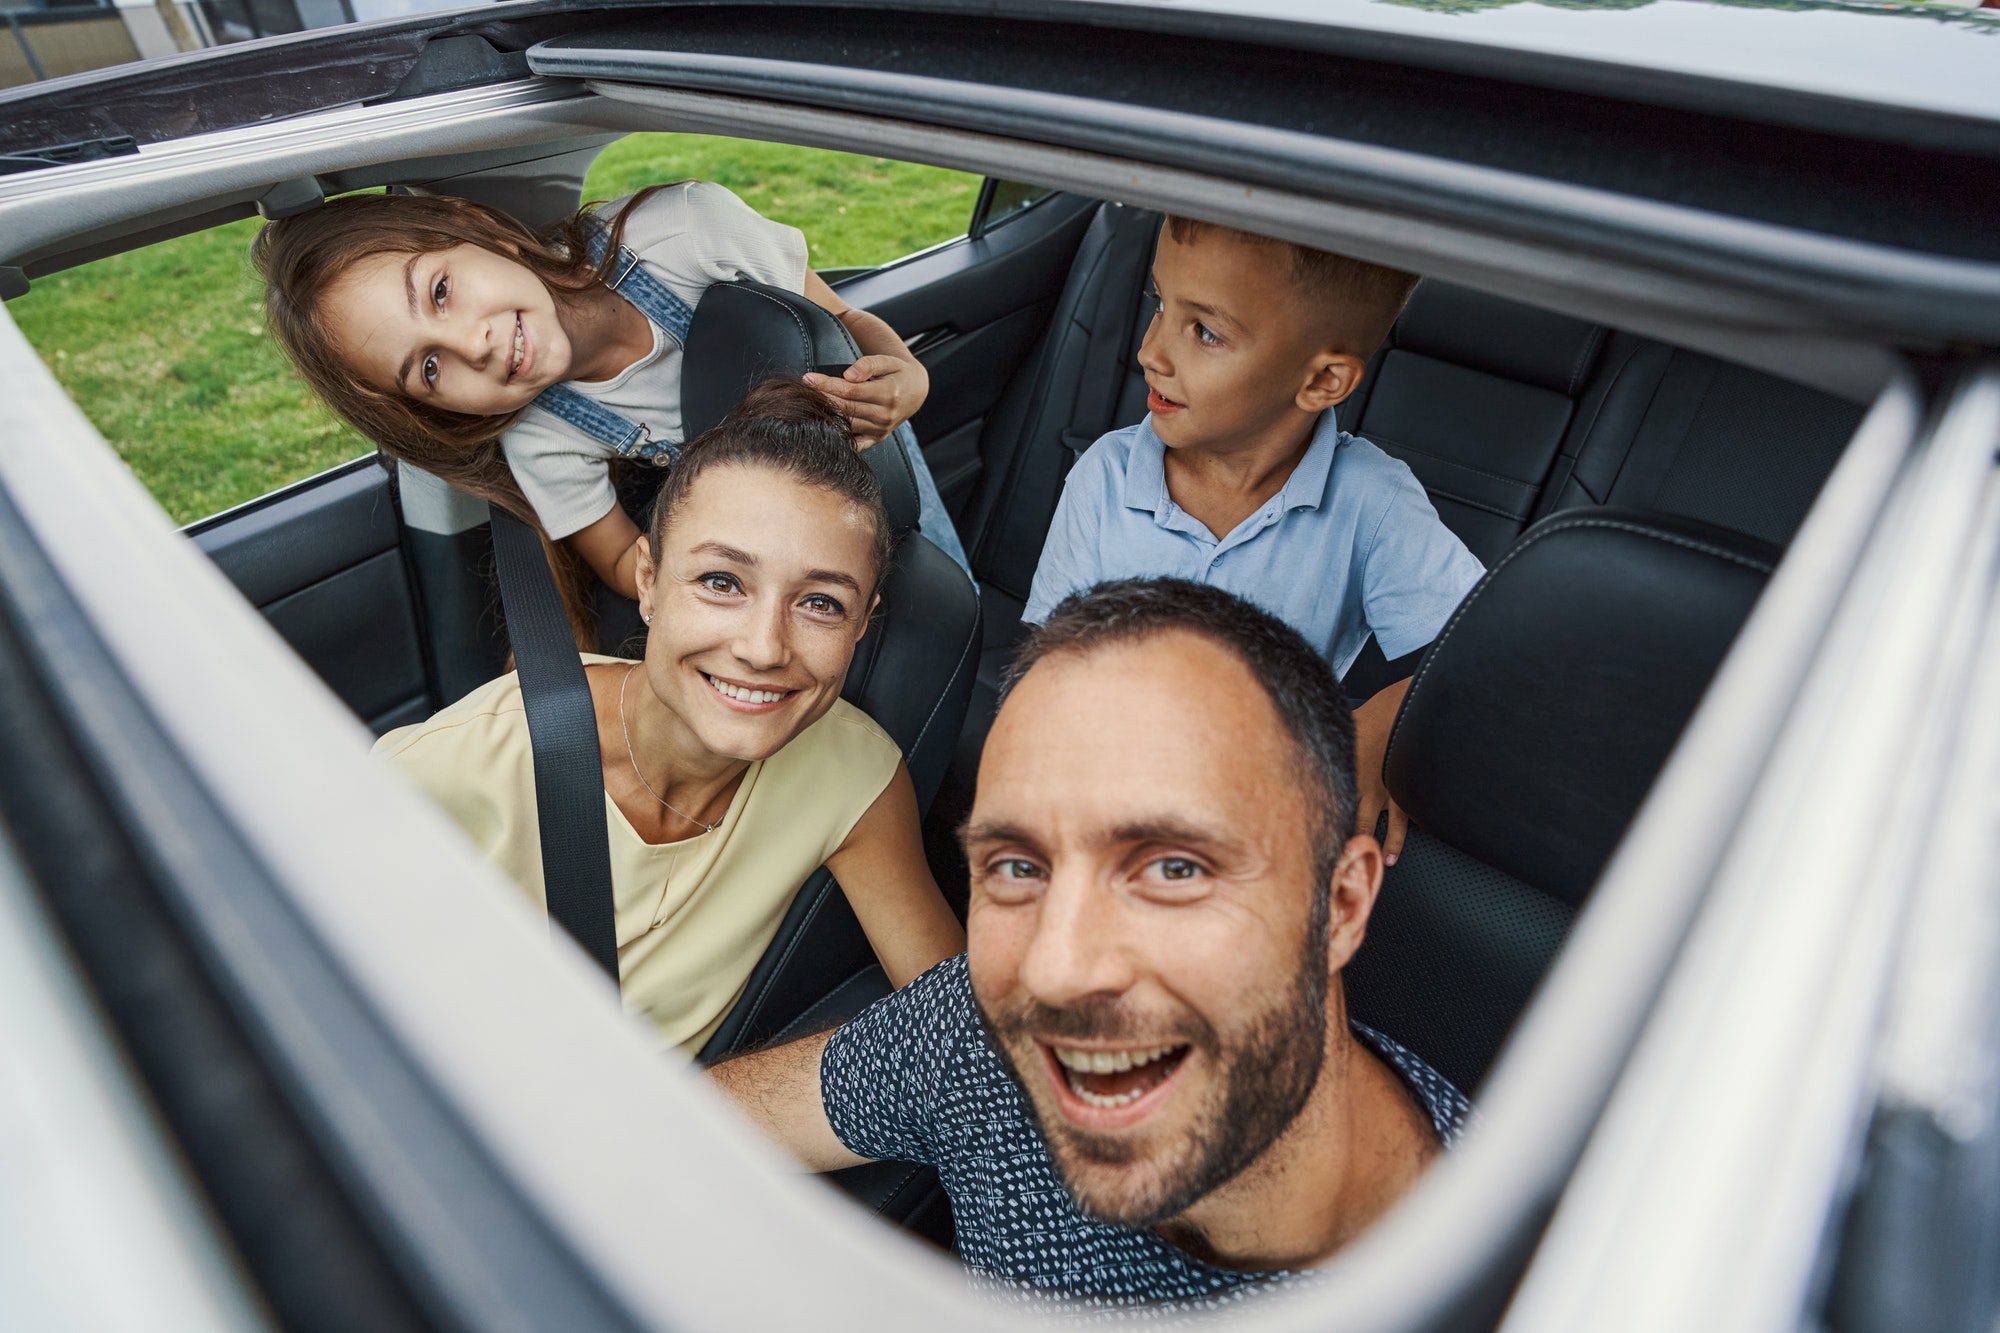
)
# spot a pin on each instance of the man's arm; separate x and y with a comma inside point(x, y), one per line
point(778, 1088)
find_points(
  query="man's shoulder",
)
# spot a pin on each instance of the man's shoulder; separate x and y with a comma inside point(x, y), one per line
point(1449, 1109)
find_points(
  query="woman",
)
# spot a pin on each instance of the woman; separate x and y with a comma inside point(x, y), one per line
point(732, 767)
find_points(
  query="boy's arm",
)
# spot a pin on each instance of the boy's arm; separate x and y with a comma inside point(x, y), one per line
point(778, 1089)
point(886, 386)
point(1372, 723)
point(1071, 552)
point(610, 546)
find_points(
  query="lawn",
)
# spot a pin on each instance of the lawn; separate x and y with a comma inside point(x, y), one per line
point(164, 348)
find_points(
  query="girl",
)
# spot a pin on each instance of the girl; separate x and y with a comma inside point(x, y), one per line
point(732, 767)
point(518, 367)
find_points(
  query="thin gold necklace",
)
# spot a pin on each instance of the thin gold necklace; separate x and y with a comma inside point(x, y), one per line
point(627, 729)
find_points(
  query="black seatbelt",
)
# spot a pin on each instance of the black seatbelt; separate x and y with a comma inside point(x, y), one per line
point(562, 731)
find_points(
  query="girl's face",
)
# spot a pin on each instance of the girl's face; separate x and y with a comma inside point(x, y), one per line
point(464, 329)
point(761, 590)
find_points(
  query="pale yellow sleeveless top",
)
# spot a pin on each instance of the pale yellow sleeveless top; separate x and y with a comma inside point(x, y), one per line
point(693, 916)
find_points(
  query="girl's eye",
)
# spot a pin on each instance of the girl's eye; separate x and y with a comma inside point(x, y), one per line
point(430, 371)
point(440, 289)
point(820, 604)
point(719, 583)
point(1205, 336)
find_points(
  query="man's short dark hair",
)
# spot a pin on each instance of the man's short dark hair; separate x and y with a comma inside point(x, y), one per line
point(1297, 680)
point(1358, 301)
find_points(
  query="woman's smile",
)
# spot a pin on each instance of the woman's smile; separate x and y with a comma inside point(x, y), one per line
point(747, 697)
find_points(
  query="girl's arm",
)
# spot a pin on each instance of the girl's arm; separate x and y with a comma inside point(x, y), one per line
point(610, 546)
point(882, 870)
point(886, 386)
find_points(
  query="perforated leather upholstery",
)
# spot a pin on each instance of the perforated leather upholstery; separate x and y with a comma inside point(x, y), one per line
point(1530, 736)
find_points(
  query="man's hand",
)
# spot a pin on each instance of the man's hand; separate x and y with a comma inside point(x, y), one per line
point(1372, 722)
point(876, 394)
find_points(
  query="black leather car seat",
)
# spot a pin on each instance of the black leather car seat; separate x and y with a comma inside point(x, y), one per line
point(1530, 735)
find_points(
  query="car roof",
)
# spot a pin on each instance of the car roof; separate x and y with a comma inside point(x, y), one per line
point(1843, 67)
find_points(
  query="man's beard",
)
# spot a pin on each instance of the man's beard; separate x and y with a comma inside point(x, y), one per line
point(1260, 1084)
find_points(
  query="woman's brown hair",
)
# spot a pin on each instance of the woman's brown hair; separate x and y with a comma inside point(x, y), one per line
point(791, 429)
point(301, 258)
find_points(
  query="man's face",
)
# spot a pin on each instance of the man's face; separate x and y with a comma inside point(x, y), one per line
point(1143, 936)
point(1230, 349)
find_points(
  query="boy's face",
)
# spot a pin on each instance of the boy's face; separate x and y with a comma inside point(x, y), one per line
point(1231, 357)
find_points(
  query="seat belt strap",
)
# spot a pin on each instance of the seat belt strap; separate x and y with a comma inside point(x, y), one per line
point(562, 733)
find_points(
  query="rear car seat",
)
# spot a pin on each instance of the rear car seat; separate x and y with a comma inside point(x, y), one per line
point(1506, 413)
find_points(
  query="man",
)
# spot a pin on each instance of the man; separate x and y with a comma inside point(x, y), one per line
point(1140, 1085)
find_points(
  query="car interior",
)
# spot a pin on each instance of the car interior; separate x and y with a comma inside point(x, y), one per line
point(1628, 497)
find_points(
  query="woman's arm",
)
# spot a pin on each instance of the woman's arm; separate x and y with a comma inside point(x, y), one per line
point(886, 386)
point(882, 870)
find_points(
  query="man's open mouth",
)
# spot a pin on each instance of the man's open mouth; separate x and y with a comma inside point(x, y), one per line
point(1109, 1079)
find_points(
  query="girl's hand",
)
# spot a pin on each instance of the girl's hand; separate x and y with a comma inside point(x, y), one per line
point(876, 394)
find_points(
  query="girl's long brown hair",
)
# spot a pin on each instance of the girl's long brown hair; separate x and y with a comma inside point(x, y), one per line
point(301, 258)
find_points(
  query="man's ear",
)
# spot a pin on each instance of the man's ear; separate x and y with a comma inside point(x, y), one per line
point(643, 576)
point(1335, 375)
point(1357, 879)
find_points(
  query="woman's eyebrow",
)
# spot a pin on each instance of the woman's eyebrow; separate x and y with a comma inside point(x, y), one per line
point(727, 552)
point(834, 576)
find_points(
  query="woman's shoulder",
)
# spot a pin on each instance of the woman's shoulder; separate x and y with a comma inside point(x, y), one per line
point(488, 718)
point(845, 739)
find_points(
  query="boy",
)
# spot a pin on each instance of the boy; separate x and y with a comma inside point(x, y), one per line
point(1241, 478)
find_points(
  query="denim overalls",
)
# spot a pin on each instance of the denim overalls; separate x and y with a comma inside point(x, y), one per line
point(631, 440)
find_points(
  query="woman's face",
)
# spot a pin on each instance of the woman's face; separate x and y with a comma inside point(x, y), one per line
point(463, 329)
point(761, 588)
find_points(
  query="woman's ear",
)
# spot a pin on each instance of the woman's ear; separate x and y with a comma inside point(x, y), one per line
point(644, 574)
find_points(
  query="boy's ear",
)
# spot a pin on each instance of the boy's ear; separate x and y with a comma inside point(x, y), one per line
point(1335, 375)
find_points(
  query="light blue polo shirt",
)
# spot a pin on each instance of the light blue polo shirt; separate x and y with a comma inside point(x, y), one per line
point(1350, 545)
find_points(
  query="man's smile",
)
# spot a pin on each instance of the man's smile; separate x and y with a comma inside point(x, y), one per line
point(1104, 1088)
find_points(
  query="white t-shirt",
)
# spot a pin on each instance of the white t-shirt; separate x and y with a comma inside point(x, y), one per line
point(688, 236)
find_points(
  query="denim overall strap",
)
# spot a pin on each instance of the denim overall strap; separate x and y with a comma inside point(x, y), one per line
point(625, 437)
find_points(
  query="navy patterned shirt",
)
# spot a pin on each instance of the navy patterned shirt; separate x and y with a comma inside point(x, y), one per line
point(914, 1079)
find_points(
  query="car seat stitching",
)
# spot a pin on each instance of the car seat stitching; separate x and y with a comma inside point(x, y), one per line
point(791, 947)
point(1597, 413)
point(1437, 649)
point(1584, 356)
point(896, 1189)
point(1380, 438)
point(924, 730)
point(805, 336)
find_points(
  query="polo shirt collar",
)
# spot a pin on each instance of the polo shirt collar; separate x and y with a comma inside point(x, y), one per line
point(1146, 476)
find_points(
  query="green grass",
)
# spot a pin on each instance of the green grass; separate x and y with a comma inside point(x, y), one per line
point(164, 348)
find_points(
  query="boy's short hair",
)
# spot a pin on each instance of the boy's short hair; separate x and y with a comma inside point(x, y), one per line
point(1359, 301)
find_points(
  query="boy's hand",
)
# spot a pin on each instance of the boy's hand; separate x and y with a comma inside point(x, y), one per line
point(876, 394)
point(1372, 722)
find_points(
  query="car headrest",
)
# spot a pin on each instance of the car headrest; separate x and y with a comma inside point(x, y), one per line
point(746, 332)
point(1501, 337)
point(1542, 713)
